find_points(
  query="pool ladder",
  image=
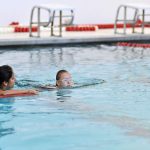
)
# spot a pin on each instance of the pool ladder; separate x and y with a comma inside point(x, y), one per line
point(59, 13)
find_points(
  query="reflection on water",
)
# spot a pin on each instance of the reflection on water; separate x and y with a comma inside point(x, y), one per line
point(5, 131)
point(57, 56)
point(63, 94)
point(105, 91)
point(27, 83)
point(131, 125)
point(69, 56)
point(6, 109)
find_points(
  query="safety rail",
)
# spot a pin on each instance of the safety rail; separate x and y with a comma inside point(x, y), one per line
point(139, 13)
point(55, 11)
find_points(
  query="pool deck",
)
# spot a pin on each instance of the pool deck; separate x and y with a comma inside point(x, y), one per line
point(74, 37)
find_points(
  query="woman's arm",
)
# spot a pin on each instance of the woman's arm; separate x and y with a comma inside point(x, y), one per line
point(12, 92)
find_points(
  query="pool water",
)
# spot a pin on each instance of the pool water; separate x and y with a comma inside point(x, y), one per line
point(110, 115)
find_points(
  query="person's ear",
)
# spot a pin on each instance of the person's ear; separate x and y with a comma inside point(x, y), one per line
point(5, 84)
point(57, 83)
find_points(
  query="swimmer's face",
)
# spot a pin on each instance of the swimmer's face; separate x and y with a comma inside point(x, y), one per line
point(11, 82)
point(65, 80)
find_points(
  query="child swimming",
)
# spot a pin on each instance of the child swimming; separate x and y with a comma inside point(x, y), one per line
point(63, 80)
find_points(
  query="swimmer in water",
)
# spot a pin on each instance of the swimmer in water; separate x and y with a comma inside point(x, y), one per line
point(63, 80)
point(7, 81)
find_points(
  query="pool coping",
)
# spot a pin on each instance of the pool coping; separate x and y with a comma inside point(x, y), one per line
point(102, 36)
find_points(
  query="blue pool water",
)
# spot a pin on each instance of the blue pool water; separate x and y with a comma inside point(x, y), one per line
point(110, 115)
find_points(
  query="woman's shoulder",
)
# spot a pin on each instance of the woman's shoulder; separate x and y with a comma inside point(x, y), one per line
point(2, 92)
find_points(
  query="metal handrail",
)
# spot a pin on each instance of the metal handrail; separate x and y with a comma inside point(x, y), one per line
point(125, 20)
point(138, 8)
point(39, 23)
point(51, 19)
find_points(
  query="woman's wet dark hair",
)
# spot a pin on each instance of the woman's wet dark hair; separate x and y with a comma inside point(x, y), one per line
point(6, 73)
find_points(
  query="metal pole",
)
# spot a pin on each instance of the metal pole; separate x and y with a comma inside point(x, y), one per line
point(125, 19)
point(143, 20)
point(38, 22)
point(52, 24)
point(134, 20)
point(116, 19)
point(60, 24)
point(31, 19)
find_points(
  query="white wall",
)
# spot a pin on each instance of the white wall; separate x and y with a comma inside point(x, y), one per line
point(86, 11)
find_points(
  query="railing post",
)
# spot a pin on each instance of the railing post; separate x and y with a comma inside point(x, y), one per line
point(39, 22)
point(143, 20)
point(125, 19)
point(60, 23)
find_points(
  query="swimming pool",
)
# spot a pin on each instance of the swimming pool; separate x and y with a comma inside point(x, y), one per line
point(113, 115)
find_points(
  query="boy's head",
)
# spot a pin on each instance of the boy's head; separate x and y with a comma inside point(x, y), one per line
point(7, 78)
point(63, 79)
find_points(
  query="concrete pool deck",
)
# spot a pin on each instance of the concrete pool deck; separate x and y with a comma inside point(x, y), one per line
point(72, 37)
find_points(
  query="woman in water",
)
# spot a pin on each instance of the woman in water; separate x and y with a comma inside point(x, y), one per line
point(7, 81)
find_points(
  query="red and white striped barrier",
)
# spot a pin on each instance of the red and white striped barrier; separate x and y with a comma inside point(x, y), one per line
point(81, 28)
point(111, 26)
point(24, 29)
point(17, 28)
point(126, 44)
